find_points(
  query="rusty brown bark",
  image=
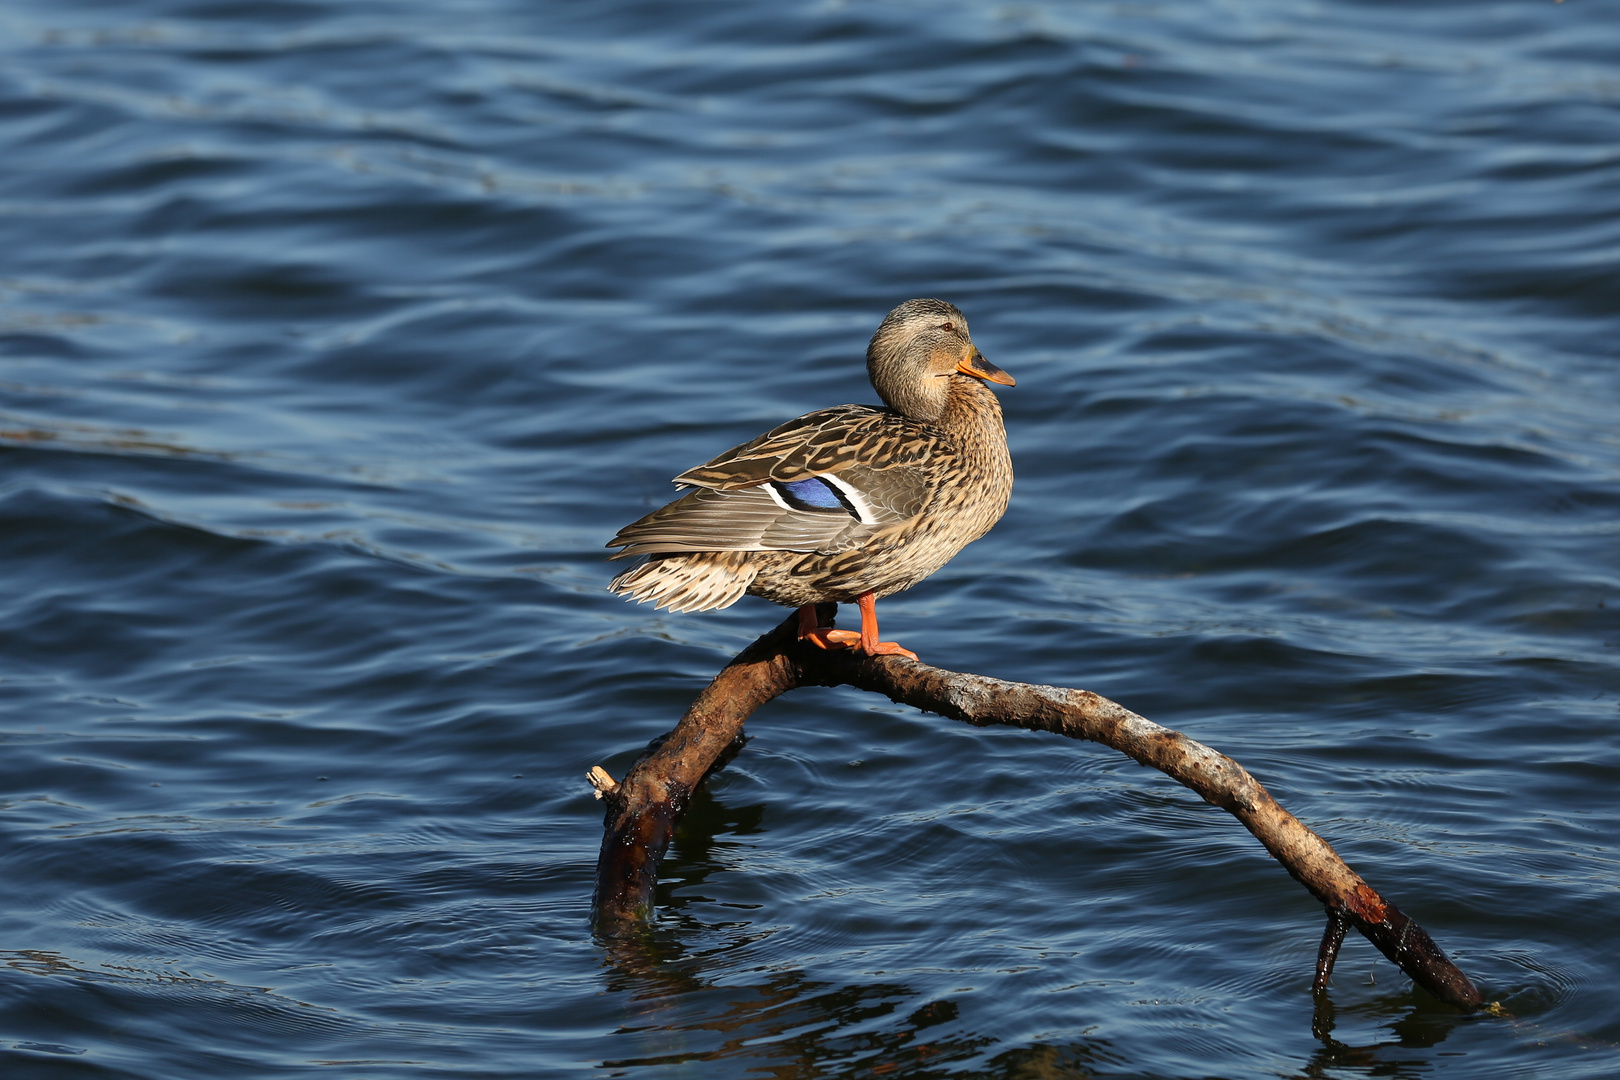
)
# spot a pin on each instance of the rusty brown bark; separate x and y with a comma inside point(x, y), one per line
point(643, 808)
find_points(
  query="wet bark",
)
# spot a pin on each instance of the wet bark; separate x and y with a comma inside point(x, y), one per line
point(642, 809)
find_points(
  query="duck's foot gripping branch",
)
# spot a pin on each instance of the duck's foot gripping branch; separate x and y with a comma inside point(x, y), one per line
point(642, 808)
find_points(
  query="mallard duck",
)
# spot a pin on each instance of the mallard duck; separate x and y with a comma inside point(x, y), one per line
point(846, 504)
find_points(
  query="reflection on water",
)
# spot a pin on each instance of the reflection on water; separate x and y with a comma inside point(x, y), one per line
point(785, 1023)
point(686, 1009)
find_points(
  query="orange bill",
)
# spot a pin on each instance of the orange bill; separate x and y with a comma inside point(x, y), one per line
point(980, 368)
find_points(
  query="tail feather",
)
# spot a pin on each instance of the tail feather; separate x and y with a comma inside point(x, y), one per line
point(681, 582)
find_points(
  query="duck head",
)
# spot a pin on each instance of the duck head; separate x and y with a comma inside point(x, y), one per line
point(919, 350)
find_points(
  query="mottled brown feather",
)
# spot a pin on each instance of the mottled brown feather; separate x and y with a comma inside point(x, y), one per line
point(932, 470)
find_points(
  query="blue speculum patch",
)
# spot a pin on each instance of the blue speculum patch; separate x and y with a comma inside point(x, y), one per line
point(812, 494)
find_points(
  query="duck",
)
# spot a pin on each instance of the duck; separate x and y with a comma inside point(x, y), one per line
point(842, 505)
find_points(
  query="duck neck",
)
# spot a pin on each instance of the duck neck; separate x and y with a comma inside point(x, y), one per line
point(972, 412)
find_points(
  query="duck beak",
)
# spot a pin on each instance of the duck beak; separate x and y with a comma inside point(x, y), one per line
point(980, 368)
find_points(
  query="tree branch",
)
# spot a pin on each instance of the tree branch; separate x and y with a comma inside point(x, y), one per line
point(643, 809)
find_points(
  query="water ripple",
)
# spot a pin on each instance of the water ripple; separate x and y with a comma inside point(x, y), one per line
point(335, 339)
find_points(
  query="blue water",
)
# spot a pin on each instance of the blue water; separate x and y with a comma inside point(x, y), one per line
point(336, 339)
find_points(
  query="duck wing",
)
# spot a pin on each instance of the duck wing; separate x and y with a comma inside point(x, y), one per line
point(824, 482)
point(817, 443)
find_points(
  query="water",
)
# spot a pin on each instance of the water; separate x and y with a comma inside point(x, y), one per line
point(335, 339)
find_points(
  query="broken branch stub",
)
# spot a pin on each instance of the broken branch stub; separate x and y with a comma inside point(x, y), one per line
point(643, 808)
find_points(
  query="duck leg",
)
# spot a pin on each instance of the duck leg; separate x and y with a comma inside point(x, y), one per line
point(870, 645)
point(824, 636)
point(866, 641)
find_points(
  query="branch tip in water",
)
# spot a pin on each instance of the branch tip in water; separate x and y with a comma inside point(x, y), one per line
point(601, 783)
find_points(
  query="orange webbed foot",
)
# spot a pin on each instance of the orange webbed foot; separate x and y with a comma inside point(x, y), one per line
point(866, 641)
point(889, 648)
point(827, 638)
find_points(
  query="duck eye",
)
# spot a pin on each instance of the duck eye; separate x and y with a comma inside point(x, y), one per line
point(948, 326)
